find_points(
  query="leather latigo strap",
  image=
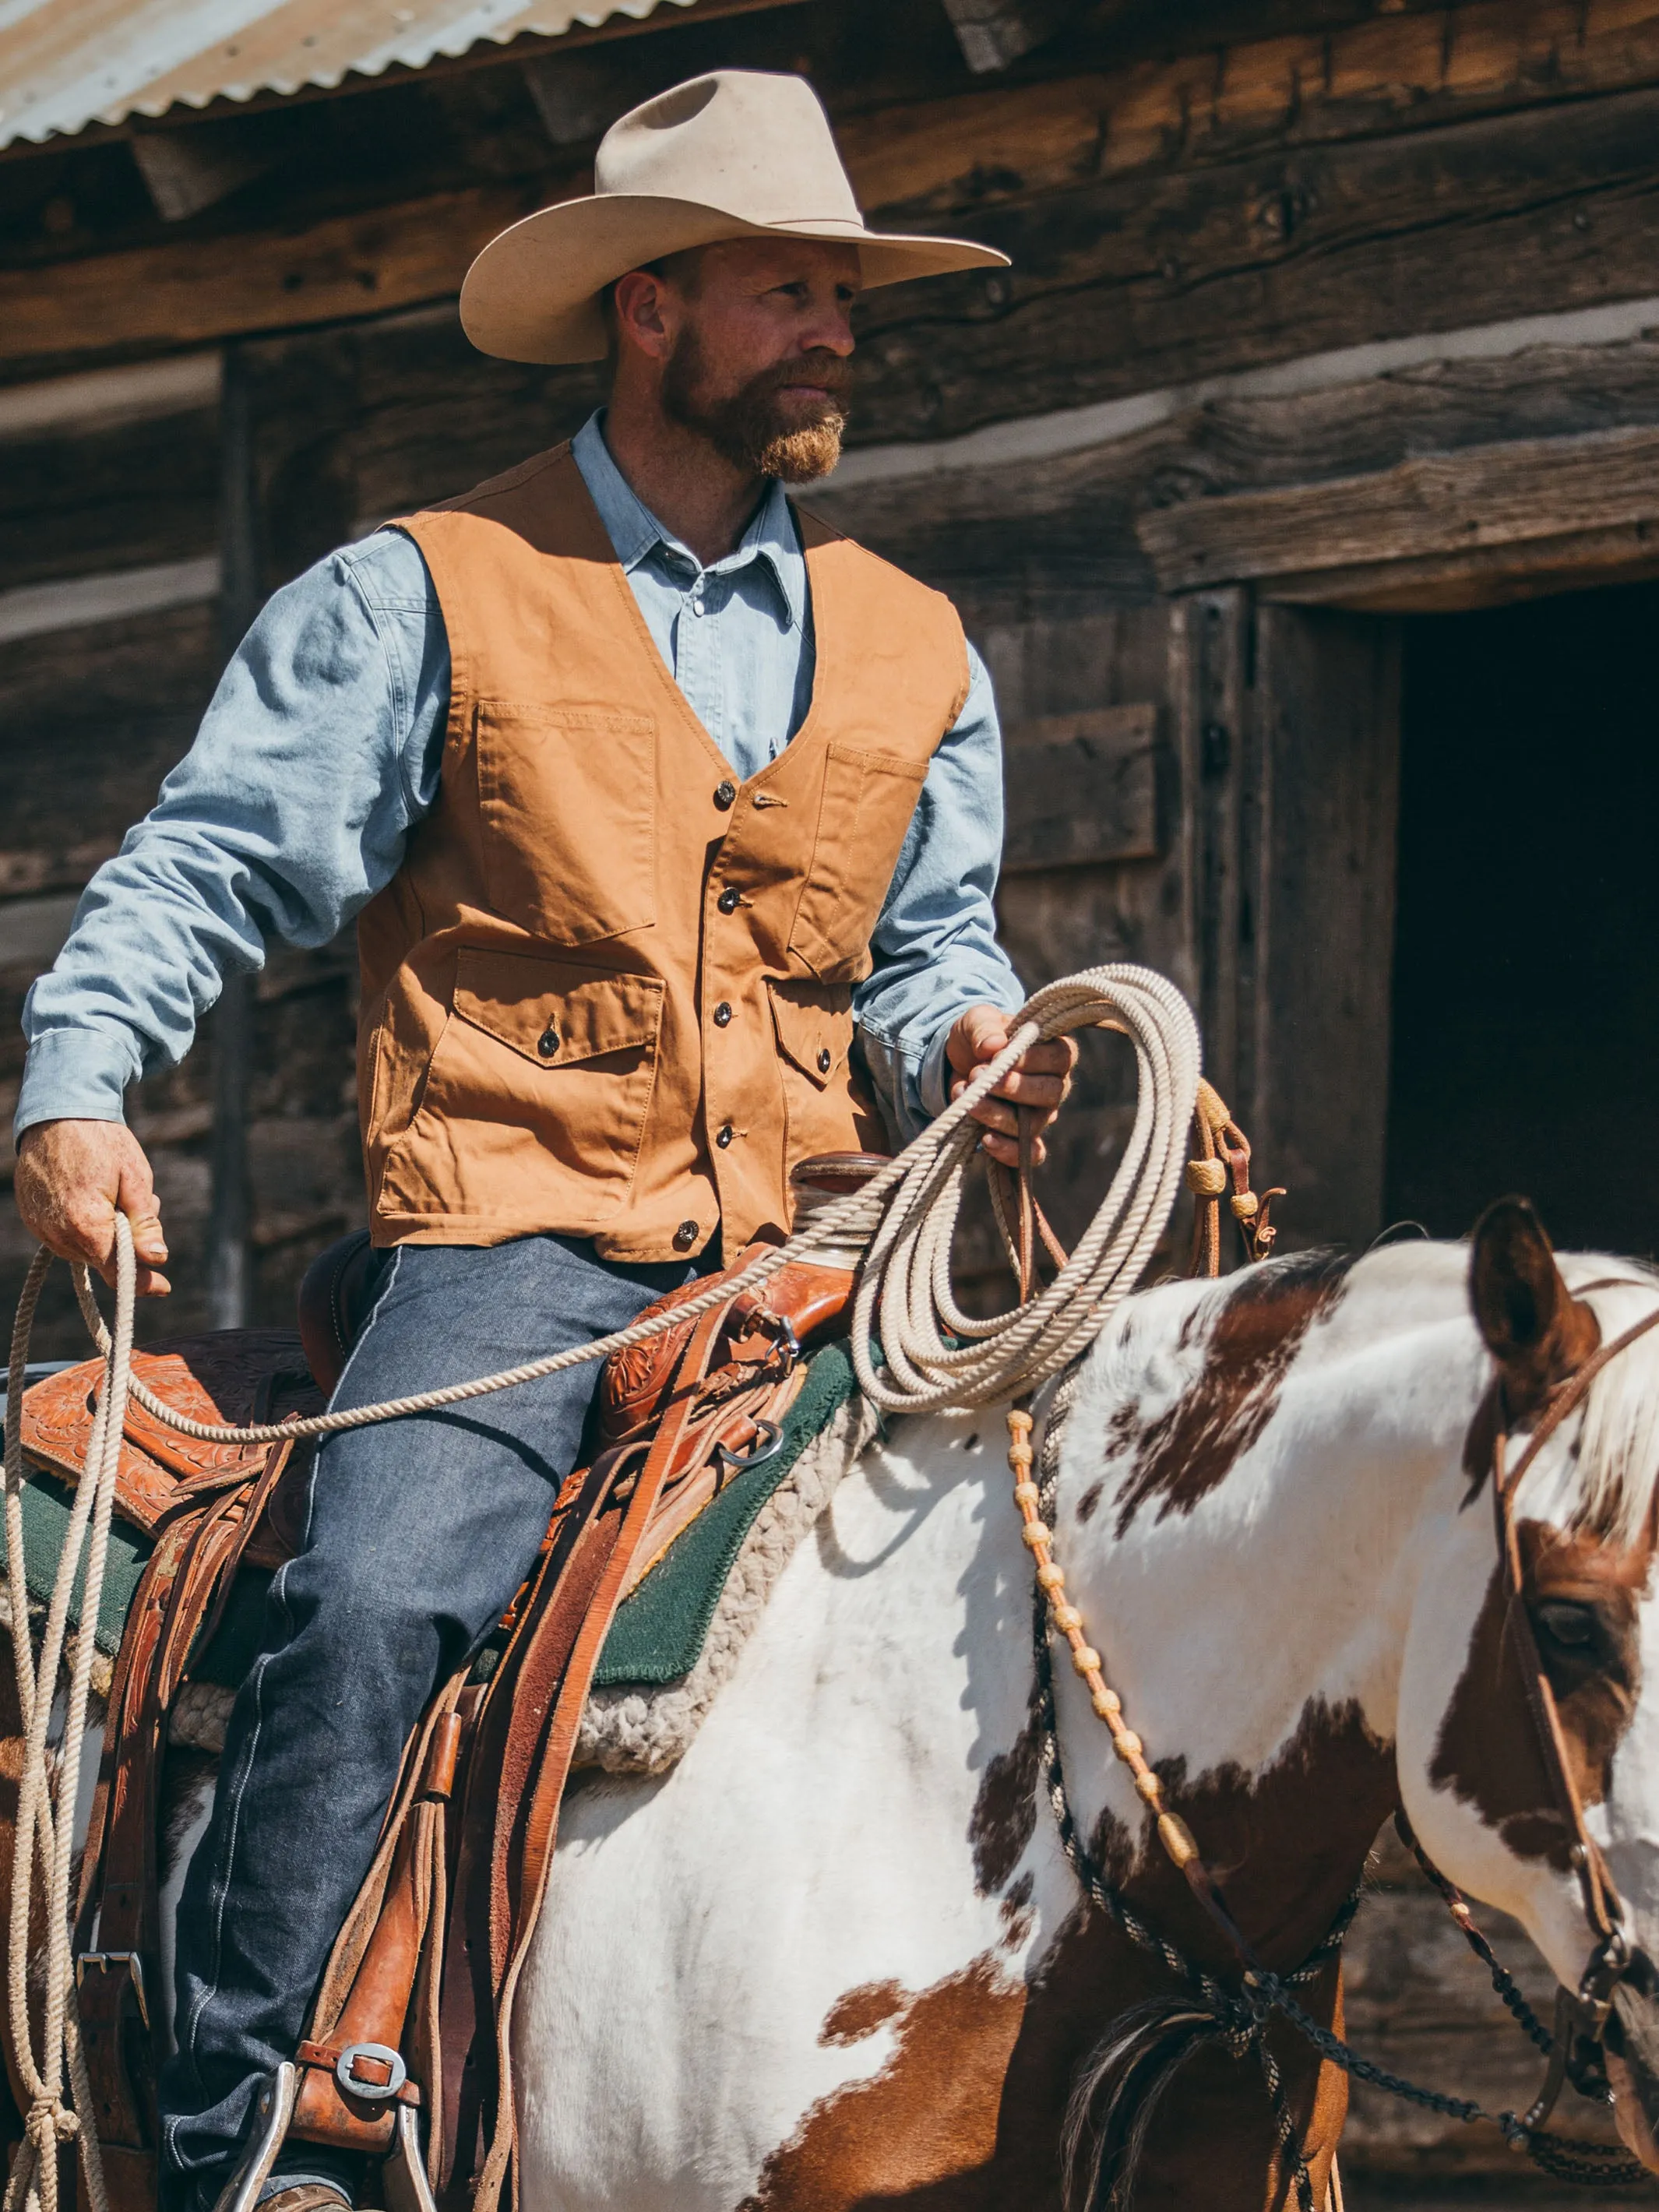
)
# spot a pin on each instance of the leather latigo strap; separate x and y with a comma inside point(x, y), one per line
point(353, 2072)
point(179, 1597)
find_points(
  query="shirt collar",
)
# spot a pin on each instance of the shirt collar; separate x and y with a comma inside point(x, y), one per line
point(635, 533)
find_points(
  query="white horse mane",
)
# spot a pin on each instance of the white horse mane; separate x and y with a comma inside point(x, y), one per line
point(1614, 1471)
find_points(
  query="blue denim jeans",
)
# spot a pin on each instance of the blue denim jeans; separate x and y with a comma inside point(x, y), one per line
point(418, 1533)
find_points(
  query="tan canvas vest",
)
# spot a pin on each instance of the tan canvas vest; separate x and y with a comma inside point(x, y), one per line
point(609, 992)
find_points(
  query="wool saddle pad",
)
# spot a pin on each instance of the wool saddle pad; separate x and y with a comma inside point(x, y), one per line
point(674, 1640)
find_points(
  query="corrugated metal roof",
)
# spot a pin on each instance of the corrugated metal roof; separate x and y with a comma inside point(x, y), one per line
point(65, 64)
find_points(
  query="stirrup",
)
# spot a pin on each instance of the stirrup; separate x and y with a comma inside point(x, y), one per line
point(272, 2114)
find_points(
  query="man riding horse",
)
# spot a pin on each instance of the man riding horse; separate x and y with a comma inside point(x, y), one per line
point(672, 820)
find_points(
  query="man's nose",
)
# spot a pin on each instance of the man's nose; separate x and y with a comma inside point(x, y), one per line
point(830, 332)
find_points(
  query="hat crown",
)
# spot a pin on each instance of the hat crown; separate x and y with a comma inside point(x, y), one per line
point(752, 143)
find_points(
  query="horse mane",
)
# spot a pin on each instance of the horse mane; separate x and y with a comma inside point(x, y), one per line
point(1609, 1476)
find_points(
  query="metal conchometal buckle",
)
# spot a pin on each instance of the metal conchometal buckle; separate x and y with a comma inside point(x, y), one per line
point(373, 2093)
point(104, 1960)
point(768, 1443)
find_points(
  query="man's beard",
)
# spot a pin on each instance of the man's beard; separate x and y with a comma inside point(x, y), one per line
point(755, 429)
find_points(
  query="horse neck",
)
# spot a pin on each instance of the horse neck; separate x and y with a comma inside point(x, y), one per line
point(1247, 1483)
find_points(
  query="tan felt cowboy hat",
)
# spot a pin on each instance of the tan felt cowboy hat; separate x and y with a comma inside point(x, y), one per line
point(737, 153)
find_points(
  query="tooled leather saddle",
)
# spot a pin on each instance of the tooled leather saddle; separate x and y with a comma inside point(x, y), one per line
point(407, 2056)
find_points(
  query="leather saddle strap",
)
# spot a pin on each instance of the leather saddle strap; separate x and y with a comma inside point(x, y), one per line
point(498, 1772)
point(376, 2006)
point(120, 2004)
point(540, 1828)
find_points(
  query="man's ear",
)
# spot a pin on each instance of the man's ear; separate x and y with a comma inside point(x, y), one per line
point(1533, 1325)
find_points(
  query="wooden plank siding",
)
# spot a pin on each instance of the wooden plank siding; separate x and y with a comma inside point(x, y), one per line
point(1186, 227)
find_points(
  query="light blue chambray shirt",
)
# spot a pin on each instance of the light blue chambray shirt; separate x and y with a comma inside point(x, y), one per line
point(321, 751)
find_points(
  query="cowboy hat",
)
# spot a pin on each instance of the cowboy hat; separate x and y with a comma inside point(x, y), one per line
point(738, 153)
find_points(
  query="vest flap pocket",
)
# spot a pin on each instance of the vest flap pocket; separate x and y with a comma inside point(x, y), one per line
point(814, 1022)
point(554, 1011)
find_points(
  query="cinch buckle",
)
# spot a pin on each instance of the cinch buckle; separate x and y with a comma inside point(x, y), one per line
point(371, 2093)
point(104, 1960)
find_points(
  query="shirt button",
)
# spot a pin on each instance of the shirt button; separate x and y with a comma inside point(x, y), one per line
point(686, 1235)
point(726, 1136)
point(547, 1043)
point(725, 796)
point(722, 1015)
point(696, 606)
point(824, 1060)
point(727, 901)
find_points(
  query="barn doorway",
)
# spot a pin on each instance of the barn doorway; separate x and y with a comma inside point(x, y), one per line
point(1526, 988)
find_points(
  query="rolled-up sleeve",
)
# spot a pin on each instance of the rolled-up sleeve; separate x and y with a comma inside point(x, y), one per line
point(935, 947)
point(317, 756)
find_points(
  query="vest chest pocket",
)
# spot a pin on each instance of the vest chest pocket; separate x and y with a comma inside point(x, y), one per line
point(866, 809)
point(568, 807)
point(814, 1026)
point(538, 1091)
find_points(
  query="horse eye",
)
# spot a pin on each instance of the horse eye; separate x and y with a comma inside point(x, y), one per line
point(1572, 1626)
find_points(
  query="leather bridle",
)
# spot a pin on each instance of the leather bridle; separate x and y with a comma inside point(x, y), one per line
point(1582, 2016)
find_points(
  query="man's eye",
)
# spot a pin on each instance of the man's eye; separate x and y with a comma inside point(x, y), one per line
point(1571, 1627)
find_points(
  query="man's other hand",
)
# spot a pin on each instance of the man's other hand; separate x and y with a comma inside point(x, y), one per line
point(72, 1179)
point(1041, 1079)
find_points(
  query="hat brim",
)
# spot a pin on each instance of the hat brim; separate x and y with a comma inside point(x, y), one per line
point(533, 292)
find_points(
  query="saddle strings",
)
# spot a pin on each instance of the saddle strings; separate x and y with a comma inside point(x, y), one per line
point(931, 1354)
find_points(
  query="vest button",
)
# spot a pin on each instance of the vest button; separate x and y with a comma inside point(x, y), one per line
point(725, 796)
point(686, 1235)
point(727, 901)
point(722, 1015)
point(726, 1136)
point(824, 1060)
point(547, 1043)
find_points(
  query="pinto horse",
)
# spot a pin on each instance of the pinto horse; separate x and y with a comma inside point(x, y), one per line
point(838, 1958)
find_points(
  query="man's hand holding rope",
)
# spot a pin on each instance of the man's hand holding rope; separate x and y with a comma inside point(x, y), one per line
point(1039, 1081)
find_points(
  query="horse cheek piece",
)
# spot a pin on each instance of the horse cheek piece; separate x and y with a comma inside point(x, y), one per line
point(1547, 1344)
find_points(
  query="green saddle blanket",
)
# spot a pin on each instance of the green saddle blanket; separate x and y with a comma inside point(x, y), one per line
point(658, 1631)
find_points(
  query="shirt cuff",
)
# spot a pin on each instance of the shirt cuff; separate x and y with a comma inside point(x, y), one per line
point(73, 1075)
point(933, 1077)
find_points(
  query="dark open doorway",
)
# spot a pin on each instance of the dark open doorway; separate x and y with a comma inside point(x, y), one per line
point(1526, 994)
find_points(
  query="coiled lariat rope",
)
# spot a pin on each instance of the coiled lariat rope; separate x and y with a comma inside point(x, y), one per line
point(903, 1218)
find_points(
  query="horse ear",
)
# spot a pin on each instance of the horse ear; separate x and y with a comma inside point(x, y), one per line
point(1533, 1325)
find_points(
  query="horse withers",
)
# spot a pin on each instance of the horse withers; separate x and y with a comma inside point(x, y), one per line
point(837, 1957)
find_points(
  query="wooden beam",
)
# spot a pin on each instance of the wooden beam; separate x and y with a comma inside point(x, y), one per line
point(1123, 286)
point(1490, 576)
point(1453, 504)
point(207, 289)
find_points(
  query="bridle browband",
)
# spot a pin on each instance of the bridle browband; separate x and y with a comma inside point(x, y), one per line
point(1582, 2015)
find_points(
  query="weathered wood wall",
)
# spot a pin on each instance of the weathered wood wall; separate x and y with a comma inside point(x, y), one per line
point(1319, 313)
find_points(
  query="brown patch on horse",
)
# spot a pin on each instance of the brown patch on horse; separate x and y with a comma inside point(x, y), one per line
point(968, 2115)
point(861, 2012)
point(1488, 1753)
point(1005, 1811)
point(1192, 1448)
point(1535, 1328)
point(928, 2116)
